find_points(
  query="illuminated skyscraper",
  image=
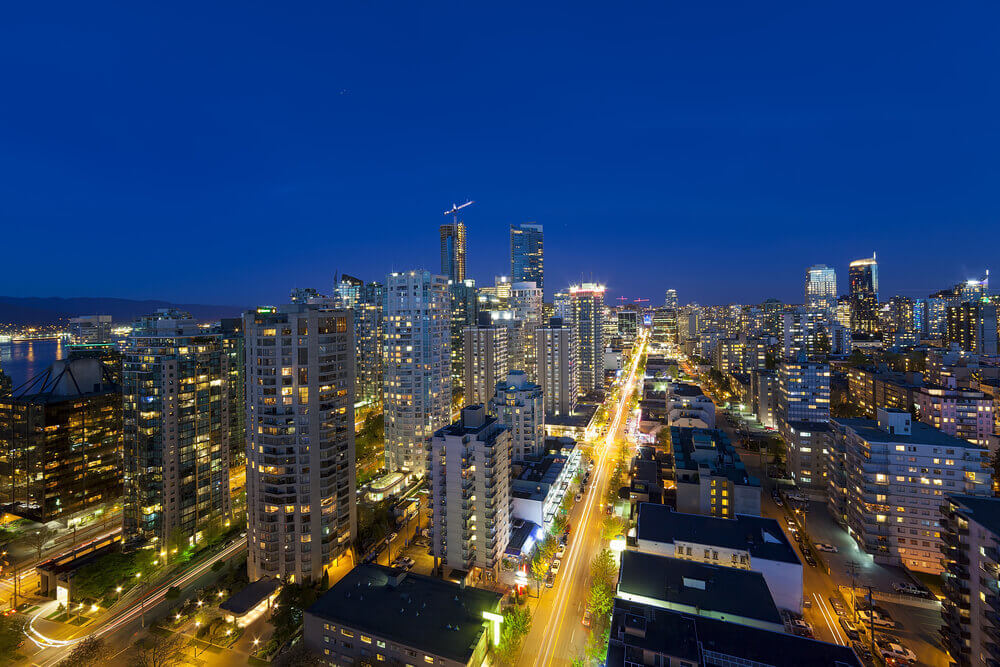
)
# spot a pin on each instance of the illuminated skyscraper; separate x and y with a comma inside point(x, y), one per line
point(670, 299)
point(181, 395)
point(526, 254)
point(416, 354)
point(863, 274)
point(821, 287)
point(464, 313)
point(587, 301)
point(973, 326)
point(453, 250)
point(486, 353)
point(301, 460)
point(557, 368)
point(526, 307)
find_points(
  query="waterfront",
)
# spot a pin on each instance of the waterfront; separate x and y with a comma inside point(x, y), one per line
point(23, 360)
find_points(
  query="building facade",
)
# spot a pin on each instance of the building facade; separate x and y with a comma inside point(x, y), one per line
point(301, 460)
point(518, 405)
point(527, 256)
point(803, 411)
point(863, 275)
point(821, 288)
point(973, 326)
point(587, 302)
point(453, 250)
point(557, 368)
point(416, 353)
point(486, 355)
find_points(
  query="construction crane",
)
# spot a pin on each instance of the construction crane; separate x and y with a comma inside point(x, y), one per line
point(622, 299)
point(455, 209)
point(642, 301)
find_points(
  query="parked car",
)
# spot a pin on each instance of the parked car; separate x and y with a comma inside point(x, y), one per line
point(850, 629)
point(777, 501)
point(807, 557)
point(873, 618)
point(561, 551)
point(863, 652)
point(578, 498)
point(392, 536)
point(555, 566)
point(828, 548)
point(837, 605)
point(907, 588)
point(895, 652)
point(801, 628)
point(587, 615)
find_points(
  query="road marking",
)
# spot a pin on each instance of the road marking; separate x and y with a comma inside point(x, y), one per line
point(828, 614)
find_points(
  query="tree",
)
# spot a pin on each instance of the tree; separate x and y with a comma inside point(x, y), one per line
point(11, 634)
point(297, 656)
point(600, 599)
point(159, 651)
point(603, 568)
point(37, 539)
point(516, 624)
point(90, 651)
point(539, 567)
point(97, 578)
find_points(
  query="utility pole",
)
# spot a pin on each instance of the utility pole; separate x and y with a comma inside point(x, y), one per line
point(871, 616)
point(852, 567)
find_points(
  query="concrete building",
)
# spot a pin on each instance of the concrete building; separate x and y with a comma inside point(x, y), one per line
point(526, 307)
point(416, 351)
point(377, 615)
point(527, 256)
point(688, 406)
point(930, 318)
point(963, 413)
point(557, 368)
point(804, 330)
point(709, 475)
point(873, 388)
point(468, 466)
point(970, 536)
point(646, 635)
point(803, 410)
point(587, 302)
point(368, 344)
point(182, 390)
point(538, 486)
point(764, 397)
point(61, 442)
point(750, 543)
point(464, 313)
point(896, 474)
point(518, 405)
point(301, 499)
point(90, 329)
point(973, 326)
point(486, 351)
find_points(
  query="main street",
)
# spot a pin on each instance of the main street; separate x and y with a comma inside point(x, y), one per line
point(557, 634)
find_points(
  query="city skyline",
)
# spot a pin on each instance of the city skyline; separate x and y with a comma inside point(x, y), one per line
point(194, 153)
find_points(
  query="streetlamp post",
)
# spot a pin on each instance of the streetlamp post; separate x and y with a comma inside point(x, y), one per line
point(142, 601)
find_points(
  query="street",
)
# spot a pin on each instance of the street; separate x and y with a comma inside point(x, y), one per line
point(557, 634)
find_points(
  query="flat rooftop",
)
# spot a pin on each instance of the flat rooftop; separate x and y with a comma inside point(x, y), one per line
point(760, 536)
point(725, 590)
point(983, 510)
point(429, 614)
point(920, 434)
point(636, 628)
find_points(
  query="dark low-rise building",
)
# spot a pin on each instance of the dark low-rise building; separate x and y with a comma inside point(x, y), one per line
point(378, 615)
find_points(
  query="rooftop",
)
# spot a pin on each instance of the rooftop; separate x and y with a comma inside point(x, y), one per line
point(250, 596)
point(429, 614)
point(920, 434)
point(636, 628)
point(760, 536)
point(983, 510)
point(724, 590)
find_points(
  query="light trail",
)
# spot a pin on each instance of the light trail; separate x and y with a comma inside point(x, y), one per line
point(550, 639)
point(147, 603)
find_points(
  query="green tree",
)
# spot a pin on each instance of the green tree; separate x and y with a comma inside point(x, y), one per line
point(516, 624)
point(99, 577)
point(539, 568)
point(159, 651)
point(603, 568)
point(600, 599)
point(90, 651)
point(37, 539)
point(11, 634)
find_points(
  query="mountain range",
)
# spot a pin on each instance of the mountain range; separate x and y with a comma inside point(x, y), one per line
point(54, 310)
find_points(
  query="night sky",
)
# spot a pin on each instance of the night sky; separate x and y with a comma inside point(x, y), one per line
point(223, 153)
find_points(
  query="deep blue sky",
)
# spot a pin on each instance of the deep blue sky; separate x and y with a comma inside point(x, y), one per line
point(224, 153)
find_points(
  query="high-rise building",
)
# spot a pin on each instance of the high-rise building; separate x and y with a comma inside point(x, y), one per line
point(557, 368)
point(863, 274)
point(368, 344)
point(453, 250)
point(527, 256)
point(90, 329)
point(963, 413)
point(587, 301)
point(670, 299)
point(970, 536)
point(526, 307)
point(464, 313)
point(772, 317)
point(562, 306)
point(486, 353)
point(301, 467)
point(973, 326)
point(803, 413)
point(930, 317)
point(665, 326)
point(416, 354)
point(468, 468)
point(804, 330)
point(180, 401)
point(896, 474)
point(60, 441)
point(518, 405)
point(821, 288)
point(897, 322)
point(304, 294)
point(347, 291)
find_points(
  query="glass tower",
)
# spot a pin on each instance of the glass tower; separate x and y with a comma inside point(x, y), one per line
point(526, 254)
point(821, 287)
point(453, 250)
point(863, 274)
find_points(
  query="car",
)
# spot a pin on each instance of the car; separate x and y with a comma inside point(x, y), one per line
point(837, 605)
point(907, 588)
point(549, 580)
point(807, 557)
point(807, 603)
point(555, 566)
point(895, 652)
point(587, 616)
point(850, 629)
point(828, 548)
point(408, 561)
point(792, 525)
point(870, 618)
point(578, 498)
point(863, 652)
point(801, 628)
point(392, 536)
point(561, 551)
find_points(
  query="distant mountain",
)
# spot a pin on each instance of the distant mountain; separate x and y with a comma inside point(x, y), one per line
point(52, 310)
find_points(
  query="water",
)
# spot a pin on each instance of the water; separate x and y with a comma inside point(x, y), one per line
point(23, 360)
